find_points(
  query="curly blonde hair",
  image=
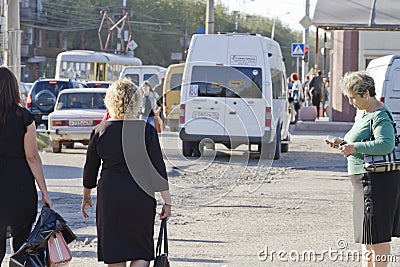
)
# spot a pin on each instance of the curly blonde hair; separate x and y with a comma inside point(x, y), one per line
point(123, 100)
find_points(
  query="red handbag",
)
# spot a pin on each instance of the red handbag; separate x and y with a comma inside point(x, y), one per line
point(58, 253)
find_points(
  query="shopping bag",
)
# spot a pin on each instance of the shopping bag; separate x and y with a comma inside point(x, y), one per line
point(58, 253)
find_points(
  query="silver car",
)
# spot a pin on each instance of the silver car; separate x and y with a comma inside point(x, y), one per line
point(76, 112)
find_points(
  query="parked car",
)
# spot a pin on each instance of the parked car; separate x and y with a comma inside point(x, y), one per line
point(76, 112)
point(43, 95)
point(98, 84)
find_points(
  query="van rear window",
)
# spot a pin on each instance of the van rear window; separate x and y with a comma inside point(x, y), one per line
point(396, 79)
point(54, 87)
point(152, 79)
point(134, 78)
point(223, 81)
point(176, 80)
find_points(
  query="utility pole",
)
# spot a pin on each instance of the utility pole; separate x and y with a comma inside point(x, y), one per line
point(210, 17)
point(237, 21)
point(274, 23)
point(185, 36)
point(306, 35)
point(12, 56)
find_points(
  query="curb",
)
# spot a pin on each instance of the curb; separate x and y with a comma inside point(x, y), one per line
point(330, 126)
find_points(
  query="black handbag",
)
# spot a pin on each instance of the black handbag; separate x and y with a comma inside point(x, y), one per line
point(33, 252)
point(162, 259)
point(383, 163)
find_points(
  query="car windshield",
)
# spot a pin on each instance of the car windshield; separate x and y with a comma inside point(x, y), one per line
point(81, 101)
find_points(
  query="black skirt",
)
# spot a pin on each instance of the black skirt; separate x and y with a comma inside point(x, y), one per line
point(376, 207)
point(125, 220)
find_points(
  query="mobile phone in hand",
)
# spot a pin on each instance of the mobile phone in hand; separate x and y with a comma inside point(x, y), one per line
point(331, 140)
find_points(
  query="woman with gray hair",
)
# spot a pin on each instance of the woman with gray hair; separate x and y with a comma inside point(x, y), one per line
point(132, 171)
point(376, 206)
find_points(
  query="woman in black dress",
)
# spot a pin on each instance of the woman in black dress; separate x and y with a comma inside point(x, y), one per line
point(132, 170)
point(20, 166)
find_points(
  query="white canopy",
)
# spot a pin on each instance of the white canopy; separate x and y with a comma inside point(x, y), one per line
point(357, 15)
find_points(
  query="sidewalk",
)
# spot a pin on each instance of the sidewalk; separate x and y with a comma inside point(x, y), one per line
point(323, 124)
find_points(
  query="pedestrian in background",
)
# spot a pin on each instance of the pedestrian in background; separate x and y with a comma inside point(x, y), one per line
point(151, 105)
point(376, 206)
point(291, 100)
point(20, 166)
point(132, 171)
point(326, 96)
point(296, 94)
point(316, 87)
point(306, 91)
point(159, 89)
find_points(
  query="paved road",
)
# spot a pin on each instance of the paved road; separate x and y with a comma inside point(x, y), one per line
point(230, 209)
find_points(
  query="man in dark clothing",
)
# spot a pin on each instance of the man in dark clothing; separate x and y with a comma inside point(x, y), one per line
point(316, 90)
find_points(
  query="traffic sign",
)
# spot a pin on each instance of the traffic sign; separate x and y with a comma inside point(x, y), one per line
point(306, 22)
point(297, 50)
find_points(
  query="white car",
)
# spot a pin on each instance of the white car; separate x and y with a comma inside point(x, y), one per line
point(75, 114)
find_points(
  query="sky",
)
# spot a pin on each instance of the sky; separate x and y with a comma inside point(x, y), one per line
point(273, 8)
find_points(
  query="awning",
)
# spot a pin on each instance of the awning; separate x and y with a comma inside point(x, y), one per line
point(357, 15)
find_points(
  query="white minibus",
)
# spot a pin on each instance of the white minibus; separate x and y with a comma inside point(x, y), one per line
point(234, 92)
point(386, 73)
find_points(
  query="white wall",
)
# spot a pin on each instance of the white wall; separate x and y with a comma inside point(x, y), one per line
point(373, 44)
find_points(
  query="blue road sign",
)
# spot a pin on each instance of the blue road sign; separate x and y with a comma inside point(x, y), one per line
point(297, 50)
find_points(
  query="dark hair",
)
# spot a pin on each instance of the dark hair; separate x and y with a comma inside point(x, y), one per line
point(9, 93)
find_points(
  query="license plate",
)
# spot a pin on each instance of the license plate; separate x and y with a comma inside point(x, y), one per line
point(45, 117)
point(80, 123)
point(396, 117)
point(207, 114)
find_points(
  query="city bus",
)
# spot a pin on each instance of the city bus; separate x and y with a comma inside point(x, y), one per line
point(92, 66)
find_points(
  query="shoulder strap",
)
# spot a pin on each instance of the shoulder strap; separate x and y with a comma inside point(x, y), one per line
point(396, 137)
point(393, 122)
point(371, 122)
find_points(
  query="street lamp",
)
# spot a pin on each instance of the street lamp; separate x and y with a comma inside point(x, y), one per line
point(273, 24)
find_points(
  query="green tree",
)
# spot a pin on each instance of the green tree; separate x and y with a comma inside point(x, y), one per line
point(159, 27)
